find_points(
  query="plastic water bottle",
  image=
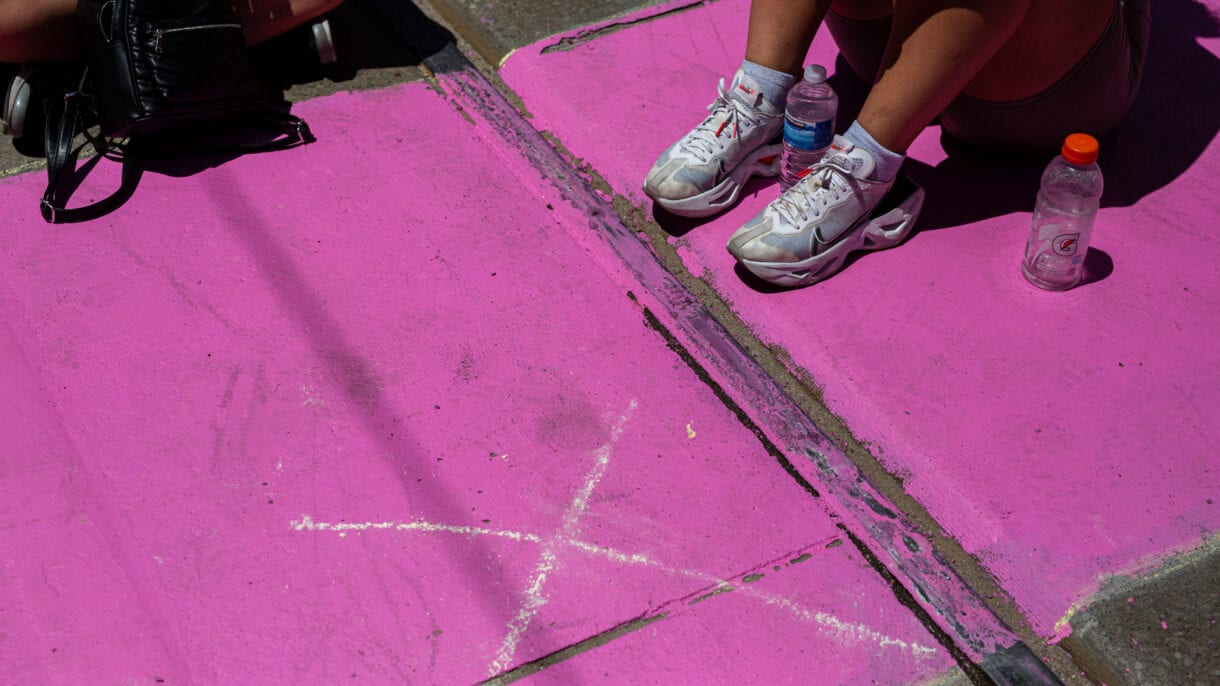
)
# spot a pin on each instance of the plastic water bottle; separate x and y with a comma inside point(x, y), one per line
point(809, 124)
point(1063, 218)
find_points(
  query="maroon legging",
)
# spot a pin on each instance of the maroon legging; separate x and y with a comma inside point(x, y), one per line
point(1091, 98)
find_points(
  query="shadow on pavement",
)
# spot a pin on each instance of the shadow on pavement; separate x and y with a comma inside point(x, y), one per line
point(378, 415)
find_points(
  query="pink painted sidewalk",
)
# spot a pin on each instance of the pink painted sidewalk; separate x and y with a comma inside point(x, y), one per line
point(1061, 438)
point(381, 408)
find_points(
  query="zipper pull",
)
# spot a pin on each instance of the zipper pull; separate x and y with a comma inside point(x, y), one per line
point(160, 46)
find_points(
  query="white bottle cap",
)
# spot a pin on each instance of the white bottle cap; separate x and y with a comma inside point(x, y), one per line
point(815, 73)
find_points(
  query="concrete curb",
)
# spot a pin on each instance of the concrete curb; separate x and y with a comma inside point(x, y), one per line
point(1151, 627)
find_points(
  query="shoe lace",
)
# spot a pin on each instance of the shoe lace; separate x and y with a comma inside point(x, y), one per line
point(726, 111)
point(822, 184)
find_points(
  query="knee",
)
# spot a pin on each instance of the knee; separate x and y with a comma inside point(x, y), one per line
point(42, 31)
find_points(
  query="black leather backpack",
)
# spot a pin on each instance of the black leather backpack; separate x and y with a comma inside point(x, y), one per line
point(158, 73)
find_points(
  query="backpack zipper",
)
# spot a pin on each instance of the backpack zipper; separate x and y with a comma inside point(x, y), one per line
point(159, 37)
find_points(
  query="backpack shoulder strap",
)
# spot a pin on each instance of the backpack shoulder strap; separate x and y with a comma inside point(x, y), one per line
point(65, 120)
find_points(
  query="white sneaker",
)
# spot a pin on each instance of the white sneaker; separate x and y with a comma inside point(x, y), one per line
point(704, 171)
point(323, 41)
point(807, 233)
point(16, 104)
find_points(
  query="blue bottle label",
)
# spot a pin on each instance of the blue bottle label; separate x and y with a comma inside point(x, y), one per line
point(803, 136)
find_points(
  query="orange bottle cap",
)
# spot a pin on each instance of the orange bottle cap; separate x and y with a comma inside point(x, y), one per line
point(1080, 149)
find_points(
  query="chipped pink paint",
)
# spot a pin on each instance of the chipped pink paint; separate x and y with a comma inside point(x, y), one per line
point(1060, 437)
point(1062, 631)
point(370, 407)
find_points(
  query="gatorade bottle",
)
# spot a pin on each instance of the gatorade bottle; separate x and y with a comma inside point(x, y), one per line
point(809, 124)
point(1063, 218)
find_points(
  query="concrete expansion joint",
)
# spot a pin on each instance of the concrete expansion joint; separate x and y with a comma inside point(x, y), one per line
point(537, 665)
point(738, 411)
point(751, 582)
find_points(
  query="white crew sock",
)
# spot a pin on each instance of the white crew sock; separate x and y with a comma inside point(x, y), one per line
point(774, 84)
point(888, 162)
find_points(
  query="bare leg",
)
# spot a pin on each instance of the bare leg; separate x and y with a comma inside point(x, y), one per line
point(1001, 50)
point(934, 51)
point(38, 31)
point(35, 31)
point(781, 30)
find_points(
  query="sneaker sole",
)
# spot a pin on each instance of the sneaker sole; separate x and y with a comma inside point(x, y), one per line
point(724, 194)
point(324, 42)
point(16, 103)
point(888, 226)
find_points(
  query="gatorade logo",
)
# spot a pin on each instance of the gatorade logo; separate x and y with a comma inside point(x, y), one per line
point(1065, 243)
